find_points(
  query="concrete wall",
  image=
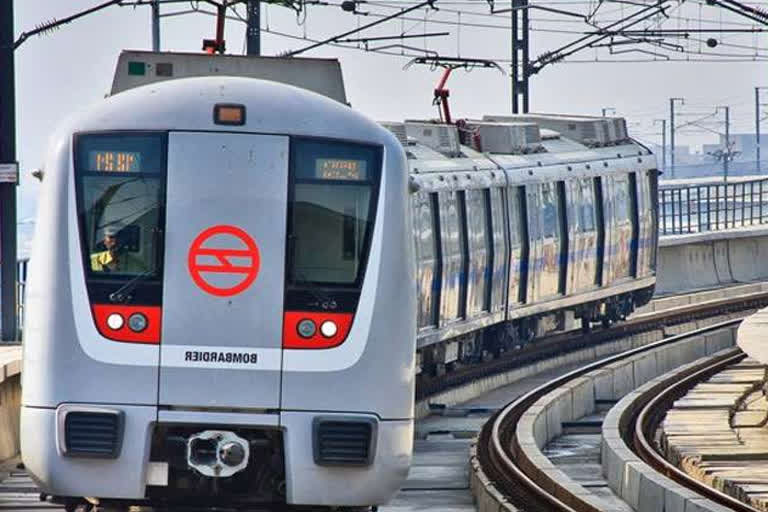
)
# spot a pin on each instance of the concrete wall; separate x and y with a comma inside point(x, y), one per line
point(10, 401)
point(706, 260)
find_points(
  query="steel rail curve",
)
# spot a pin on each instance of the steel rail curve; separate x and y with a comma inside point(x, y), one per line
point(647, 415)
point(505, 464)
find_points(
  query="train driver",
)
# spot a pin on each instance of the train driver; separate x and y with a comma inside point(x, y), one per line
point(113, 258)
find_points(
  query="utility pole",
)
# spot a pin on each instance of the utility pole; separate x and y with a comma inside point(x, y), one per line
point(253, 32)
point(663, 142)
point(155, 25)
point(7, 189)
point(757, 128)
point(520, 56)
point(727, 150)
point(672, 133)
point(606, 109)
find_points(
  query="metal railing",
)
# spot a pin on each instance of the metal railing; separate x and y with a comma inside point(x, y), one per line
point(712, 207)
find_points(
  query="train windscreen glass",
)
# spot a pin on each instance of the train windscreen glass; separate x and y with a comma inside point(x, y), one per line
point(120, 195)
point(332, 206)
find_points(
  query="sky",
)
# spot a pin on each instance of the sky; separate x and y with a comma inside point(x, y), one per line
point(69, 69)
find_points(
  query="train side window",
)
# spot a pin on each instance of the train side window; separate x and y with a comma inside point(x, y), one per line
point(621, 193)
point(549, 210)
point(423, 229)
point(587, 205)
point(575, 199)
point(513, 214)
point(533, 208)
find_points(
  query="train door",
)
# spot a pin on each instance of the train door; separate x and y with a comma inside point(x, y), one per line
point(498, 222)
point(519, 246)
point(574, 199)
point(424, 220)
point(535, 257)
point(589, 235)
point(624, 228)
point(225, 266)
point(549, 276)
point(479, 251)
point(451, 242)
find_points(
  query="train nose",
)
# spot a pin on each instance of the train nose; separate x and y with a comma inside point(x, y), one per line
point(217, 453)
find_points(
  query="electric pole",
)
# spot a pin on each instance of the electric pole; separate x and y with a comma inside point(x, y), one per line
point(727, 150)
point(672, 133)
point(663, 142)
point(155, 25)
point(757, 128)
point(253, 32)
point(8, 164)
point(520, 57)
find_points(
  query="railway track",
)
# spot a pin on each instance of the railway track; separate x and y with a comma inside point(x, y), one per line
point(514, 475)
point(646, 417)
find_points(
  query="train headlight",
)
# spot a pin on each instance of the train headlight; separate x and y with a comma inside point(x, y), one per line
point(329, 329)
point(306, 328)
point(115, 321)
point(137, 322)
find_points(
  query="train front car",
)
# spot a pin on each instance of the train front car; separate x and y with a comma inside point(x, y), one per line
point(222, 304)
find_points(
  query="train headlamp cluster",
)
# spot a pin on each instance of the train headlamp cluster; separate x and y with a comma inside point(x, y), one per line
point(307, 328)
point(137, 322)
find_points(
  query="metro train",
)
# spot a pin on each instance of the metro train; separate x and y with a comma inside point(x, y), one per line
point(230, 316)
point(250, 275)
point(523, 224)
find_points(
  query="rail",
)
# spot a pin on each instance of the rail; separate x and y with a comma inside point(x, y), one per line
point(696, 208)
point(648, 413)
point(504, 462)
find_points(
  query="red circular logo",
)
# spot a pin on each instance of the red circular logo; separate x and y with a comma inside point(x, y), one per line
point(239, 246)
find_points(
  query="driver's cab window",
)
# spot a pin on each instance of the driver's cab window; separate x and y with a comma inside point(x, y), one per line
point(120, 180)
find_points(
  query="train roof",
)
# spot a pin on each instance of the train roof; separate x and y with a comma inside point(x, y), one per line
point(528, 141)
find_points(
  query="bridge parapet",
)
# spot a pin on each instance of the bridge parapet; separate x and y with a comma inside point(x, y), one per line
point(709, 204)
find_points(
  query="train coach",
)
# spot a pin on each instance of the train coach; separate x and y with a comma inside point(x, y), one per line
point(222, 309)
point(523, 224)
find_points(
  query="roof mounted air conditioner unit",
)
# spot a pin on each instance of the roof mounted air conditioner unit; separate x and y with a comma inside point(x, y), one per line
point(443, 138)
point(507, 138)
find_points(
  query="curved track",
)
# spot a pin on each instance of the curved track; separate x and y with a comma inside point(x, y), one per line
point(513, 474)
point(648, 413)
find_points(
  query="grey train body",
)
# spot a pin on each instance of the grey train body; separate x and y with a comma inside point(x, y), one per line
point(114, 412)
point(505, 242)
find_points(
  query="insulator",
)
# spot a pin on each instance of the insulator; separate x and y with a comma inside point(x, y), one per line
point(47, 27)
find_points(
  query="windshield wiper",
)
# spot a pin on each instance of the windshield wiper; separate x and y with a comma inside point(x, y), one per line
point(323, 301)
point(122, 294)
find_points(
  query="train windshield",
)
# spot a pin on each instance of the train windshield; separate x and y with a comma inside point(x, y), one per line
point(120, 196)
point(331, 210)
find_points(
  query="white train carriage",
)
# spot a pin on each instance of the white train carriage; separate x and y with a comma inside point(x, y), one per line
point(221, 302)
point(538, 228)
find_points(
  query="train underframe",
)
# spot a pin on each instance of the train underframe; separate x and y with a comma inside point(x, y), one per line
point(498, 339)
